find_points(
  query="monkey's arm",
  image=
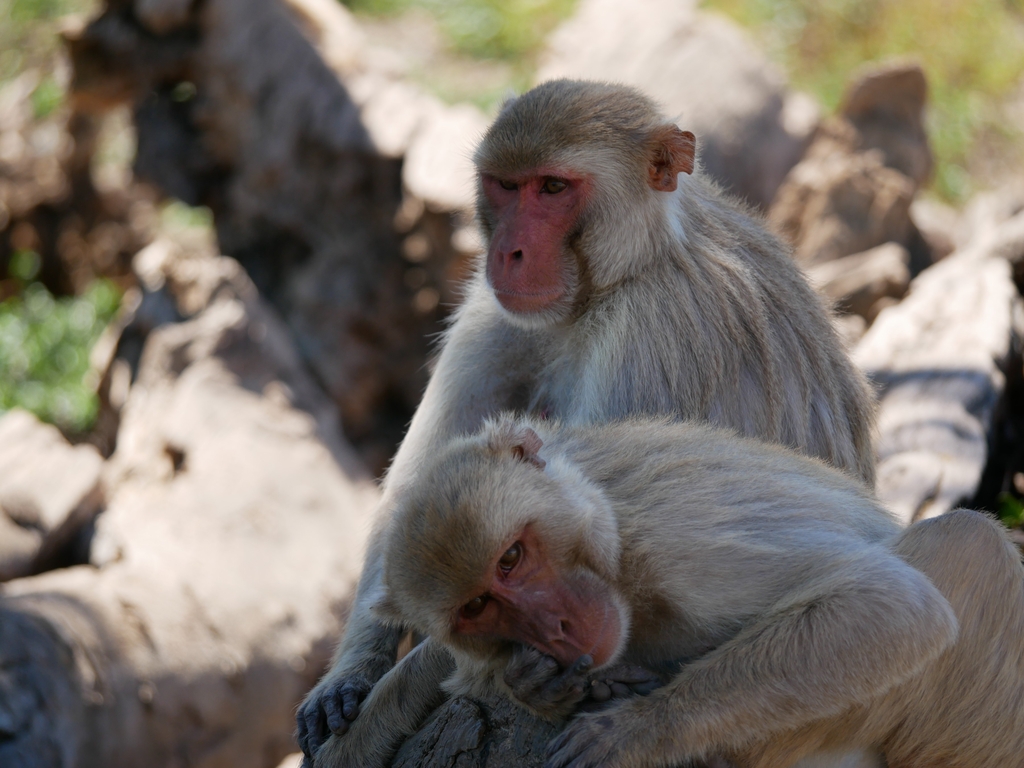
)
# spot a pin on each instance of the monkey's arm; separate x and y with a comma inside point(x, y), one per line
point(484, 365)
point(393, 711)
point(853, 634)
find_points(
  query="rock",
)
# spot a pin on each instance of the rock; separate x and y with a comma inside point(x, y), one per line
point(47, 487)
point(311, 162)
point(855, 283)
point(293, 760)
point(939, 359)
point(938, 224)
point(885, 103)
point(438, 165)
point(223, 567)
point(987, 211)
point(704, 71)
point(835, 204)
point(460, 733)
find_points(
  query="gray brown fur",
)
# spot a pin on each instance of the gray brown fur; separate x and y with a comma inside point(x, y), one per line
point(685, 306)
point(809, 621)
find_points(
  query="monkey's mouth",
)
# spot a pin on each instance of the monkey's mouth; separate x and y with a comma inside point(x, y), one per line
point(527, 303)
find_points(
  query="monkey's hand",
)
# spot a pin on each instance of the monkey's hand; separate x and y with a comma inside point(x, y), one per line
point(330, 707)
point(537, 681)
point(597, 740)
point(619, 681)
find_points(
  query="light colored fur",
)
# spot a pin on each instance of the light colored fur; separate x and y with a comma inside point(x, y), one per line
point(807, 622)
point(685, 306)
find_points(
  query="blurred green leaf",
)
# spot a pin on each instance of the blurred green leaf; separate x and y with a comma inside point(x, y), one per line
point(44, 352)
point(1010, 510)
point(972, 52)
point(46, 97)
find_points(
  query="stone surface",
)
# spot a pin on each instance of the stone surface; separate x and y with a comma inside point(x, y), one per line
point(885, 103)
point(336, 185)
point(704, 71)
point(835, 204)
point(938, 359)
point(48, 487)
point(223, 566)
point(856, 283)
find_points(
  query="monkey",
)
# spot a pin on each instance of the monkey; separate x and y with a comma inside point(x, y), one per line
point(798, 617)
point(617, 281)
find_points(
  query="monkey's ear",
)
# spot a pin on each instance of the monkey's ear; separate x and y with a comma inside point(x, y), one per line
point(672, 152)
point(522, 442)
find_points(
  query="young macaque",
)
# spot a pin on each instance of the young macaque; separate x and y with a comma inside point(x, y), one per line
point(617, 282)
point(794, 617)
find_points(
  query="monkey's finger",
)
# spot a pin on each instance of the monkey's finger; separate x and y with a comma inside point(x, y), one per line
point(316, 728)
point(628, 674)
point(642, 689)
point(333, 710)
point(351, 696)
point(300, 730)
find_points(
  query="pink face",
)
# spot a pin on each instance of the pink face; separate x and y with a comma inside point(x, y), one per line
point(525, 598)
point(528, 264)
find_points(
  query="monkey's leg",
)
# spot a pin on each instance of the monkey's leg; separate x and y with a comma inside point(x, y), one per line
point(852, 633)
point(393, 711)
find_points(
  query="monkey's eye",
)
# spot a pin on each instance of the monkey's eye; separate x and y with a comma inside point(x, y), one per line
point(553, 186)
point(510, 558)
point(510, 185)
point(474, 607)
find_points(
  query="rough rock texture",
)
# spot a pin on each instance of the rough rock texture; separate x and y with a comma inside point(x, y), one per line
point(855, 284)
point(338, 187)
point(836, 203)
point(49, 494)
point(885, 104)
point(223, 565)
point(704, 72)
point(48, 203)
point(940, 359)
point(853, 189)
point(490, 733)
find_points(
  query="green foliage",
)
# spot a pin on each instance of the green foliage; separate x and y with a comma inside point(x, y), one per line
point(971, 50)
point(45, 344)
point(28, 32)
point(1010, 510)
point(486, 29)
point(46, 97)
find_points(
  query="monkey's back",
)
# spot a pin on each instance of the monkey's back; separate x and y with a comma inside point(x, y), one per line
point(732, 524)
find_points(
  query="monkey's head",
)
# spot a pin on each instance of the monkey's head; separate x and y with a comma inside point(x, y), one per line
point(574, 180)
point(495, 545)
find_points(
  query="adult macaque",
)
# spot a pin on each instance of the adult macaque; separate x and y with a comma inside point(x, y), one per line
point(615, 284)
point(802, 619)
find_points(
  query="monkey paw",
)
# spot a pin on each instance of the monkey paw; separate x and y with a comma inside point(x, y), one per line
point(619, 681)
point(589, 741)
point(330, 707)
point(539, 683)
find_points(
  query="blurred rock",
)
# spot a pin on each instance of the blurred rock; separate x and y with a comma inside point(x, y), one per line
point(885, 104)
point(853, 189)
point(836, 204)
point(855, 283)
point(225, 563)
point(938, 224)
point(987, 211)
point(48, 488)
point(705, 72)
point(939, 360)
point(338, 187)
